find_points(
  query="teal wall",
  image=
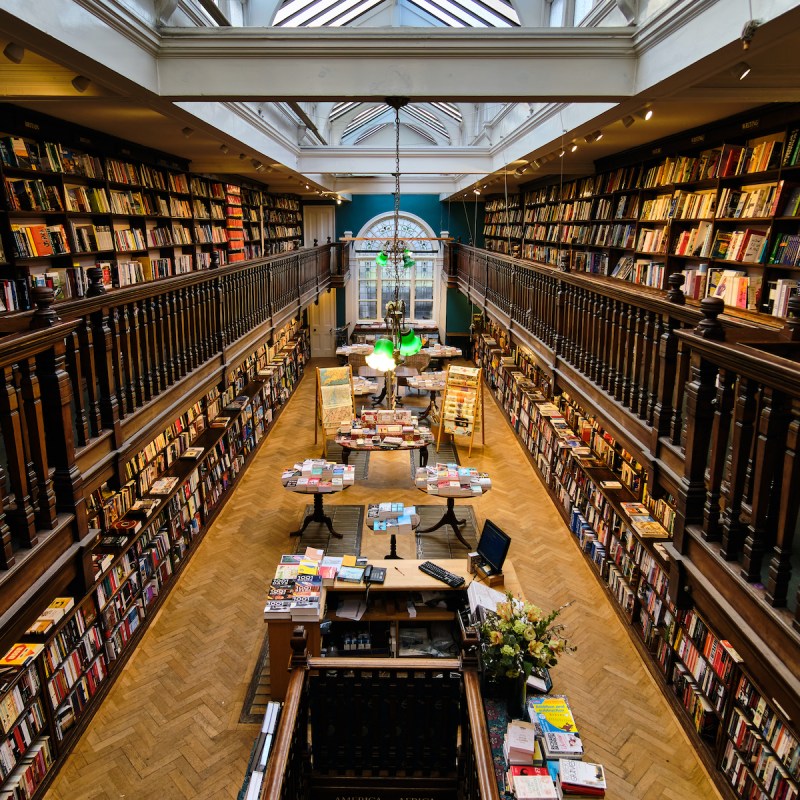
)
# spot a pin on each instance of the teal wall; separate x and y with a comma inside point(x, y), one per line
point(456, 216)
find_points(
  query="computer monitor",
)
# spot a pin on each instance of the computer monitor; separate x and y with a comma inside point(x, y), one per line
point(493, 546)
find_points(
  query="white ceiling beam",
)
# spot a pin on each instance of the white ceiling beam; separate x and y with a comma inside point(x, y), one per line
point(371, 64)
point(416, 161)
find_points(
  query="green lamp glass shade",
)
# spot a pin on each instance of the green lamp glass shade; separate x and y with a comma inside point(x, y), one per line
point(408, 259)
point(410, 343)
point(382, 259)
point(382, 356)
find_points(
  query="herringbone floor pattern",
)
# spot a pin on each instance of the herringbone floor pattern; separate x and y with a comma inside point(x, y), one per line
point(170, 729)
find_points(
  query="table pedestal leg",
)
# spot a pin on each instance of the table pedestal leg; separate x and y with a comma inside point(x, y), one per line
point(423, 456)
point(449, 518)
point(317, 515)
point(345, 455)
point(431, 407)
point(393, 548)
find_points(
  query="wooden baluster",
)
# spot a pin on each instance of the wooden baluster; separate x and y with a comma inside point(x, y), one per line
point(560, 320)
point(73, 365)
point(151, 353)
point(682, 361)
point(723, 406)
point(586, 332)
point(649, 348)
point(700, 391)
point(627, 354)
point(21, 519)
point(603, 329)
point(165, 365)
point(744, 414)
point(145, 342)
point(595, 314)
point(104, 363)
point(179, 332)
point(780, 565)
point(87, 359)
point(638, 347)
point(220, 314)
point(121, 379)
point(56, 400)
point(615, 331)
point(7, 558)
point(130, 356)
point(773, 426)
point(41, 485)
point(194, 319)
point(205, 322)
point(230, 307)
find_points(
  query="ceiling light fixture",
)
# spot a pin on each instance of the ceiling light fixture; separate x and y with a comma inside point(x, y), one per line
point(521, 169)
point(593, 137)
point(562, 152)
point(573, 147)
point(476, 191)
point(338, 201)
point(628, 120)
point(255, 162)
point(187, 131)
point(748, 32)
point(242, 156)
point(741, 70)
point(645, 114)
point(536, 163)
point(225, 149)
point(14, 52)
point(81, 83)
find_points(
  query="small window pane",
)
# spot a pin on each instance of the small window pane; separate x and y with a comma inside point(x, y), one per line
point(582, 8)
point(424, 291)
point(367, 272)
point(366, 310)
point(423, 309)
point(368, 290)
point(424, 270)
point(557, 14)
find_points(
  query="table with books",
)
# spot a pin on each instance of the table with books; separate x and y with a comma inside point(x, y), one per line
point(431, 382)
point(442, 352)
point(363, 386)
point(379, 429)
point(317, 477)
point(451, 481)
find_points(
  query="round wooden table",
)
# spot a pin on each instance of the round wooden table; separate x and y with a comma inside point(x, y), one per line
point(369, 445)
point(449, 517)
point(318, 514)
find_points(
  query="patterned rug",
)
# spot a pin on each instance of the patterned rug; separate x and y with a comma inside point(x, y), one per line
point(447, 454)
point(442, 543)
point(358, 459)
point(346, 520)
point(497, 722)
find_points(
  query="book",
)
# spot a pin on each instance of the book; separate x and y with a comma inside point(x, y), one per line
point(552, 712)
point(163, 486)
point(192, 453)
point(581, 778)
point(350, 574)
point(539, 786)
point(20, 654)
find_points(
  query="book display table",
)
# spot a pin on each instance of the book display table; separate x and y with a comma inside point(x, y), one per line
point(442, 352)
point(451, 481)
point(347, 350)
point(363, 386)
point(317, 477)
point(384, 430)
point(432, 382)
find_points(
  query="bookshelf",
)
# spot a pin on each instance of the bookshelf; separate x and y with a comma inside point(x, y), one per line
point(603, 492)
point(72, 200)
point(721, 206)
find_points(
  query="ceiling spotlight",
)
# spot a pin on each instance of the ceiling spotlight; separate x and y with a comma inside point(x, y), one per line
point(14, 52)
point(256, 163)
point(593, 137)
point(748, 32)
point(573, 147)
point(187, 131)
point(338, 201)
point(242, 156)
point(645, 114)
point(562, 152)
point(307, 186)
point(521, 169)
point(741, 71)
point(224, 148)
point(536, 163)
point(81, 83)
point(628, 120)
point(476, 191)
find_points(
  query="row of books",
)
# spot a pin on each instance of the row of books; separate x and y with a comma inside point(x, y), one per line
point(318, 475)
point(452, 480)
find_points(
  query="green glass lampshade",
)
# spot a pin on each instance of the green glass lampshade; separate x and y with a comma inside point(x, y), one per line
point(408, 259)
point(382, 356)
point(382, 259)
point(410, 343)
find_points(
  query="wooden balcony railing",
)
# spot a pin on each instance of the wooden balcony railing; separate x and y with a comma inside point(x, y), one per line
point(94, 377)
point(708, 402)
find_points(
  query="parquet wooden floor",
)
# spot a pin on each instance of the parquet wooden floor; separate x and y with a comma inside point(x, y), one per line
point(169, 728)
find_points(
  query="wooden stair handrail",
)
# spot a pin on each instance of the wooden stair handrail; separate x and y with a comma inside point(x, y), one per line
point(390, 664)
point(279, 757)
point(484, 762)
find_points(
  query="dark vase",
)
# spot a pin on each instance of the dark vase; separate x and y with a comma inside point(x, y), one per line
point(515, 693)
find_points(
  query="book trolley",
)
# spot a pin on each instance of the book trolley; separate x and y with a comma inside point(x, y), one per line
point(462, 404)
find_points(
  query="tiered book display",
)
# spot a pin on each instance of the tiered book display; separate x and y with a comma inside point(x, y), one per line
point(69, 204)
point(719, 205)
point(601, 491)
point(502, 226)
point(462, 404)
point(147, 528)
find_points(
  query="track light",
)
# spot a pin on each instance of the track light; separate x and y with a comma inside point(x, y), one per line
point(242, 156)
point(187, 131)
point(741, 70)
point(536, 163)
point(338, 201)
point(224, 148)
point(645, 114)
point(14, 52)
point(573, 147)
point(521, 169)
point(628, 120)
point(255, 162)
point(748, 32)
point(593, 137)
point(476, 191)
point(307, 186)
point(81, 83)
point(562, 152)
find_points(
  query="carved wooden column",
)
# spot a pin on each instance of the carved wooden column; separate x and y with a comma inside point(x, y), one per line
point(780, 565)
point(723, 405)
point(133, 388)
point(108, 402)
point(88, 370)
point(733, 492)
point(773, 423)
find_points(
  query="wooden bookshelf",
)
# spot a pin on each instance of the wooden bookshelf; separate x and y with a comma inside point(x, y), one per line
point(721, 206)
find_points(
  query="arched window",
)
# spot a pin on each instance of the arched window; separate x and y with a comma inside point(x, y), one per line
point(375, 285)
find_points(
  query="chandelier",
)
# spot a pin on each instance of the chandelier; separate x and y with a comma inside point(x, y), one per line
point(396, 255)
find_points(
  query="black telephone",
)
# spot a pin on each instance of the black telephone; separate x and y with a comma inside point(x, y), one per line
point(374, 574)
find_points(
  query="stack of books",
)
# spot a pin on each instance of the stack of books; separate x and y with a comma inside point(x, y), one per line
point(581, 779)
point(295, 592)
point(51, 615)
point(555, 726)
point(392, 517)
point(318, 475)
point(452, 480)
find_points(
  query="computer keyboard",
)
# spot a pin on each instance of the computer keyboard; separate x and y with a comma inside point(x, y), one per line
point(441, 574)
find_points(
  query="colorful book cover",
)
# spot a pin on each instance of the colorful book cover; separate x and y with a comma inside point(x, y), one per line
point(553, 713)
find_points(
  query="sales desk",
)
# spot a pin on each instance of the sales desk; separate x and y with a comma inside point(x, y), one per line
point(387, 612)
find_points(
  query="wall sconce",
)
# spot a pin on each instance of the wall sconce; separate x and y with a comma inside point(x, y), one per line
point(81, 83)
point(645, 114)
point(14, 52)
point(187, 131)
point(741, 70)
point(628, 120)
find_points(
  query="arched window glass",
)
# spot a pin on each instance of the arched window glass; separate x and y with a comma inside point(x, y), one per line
point(375, 285)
